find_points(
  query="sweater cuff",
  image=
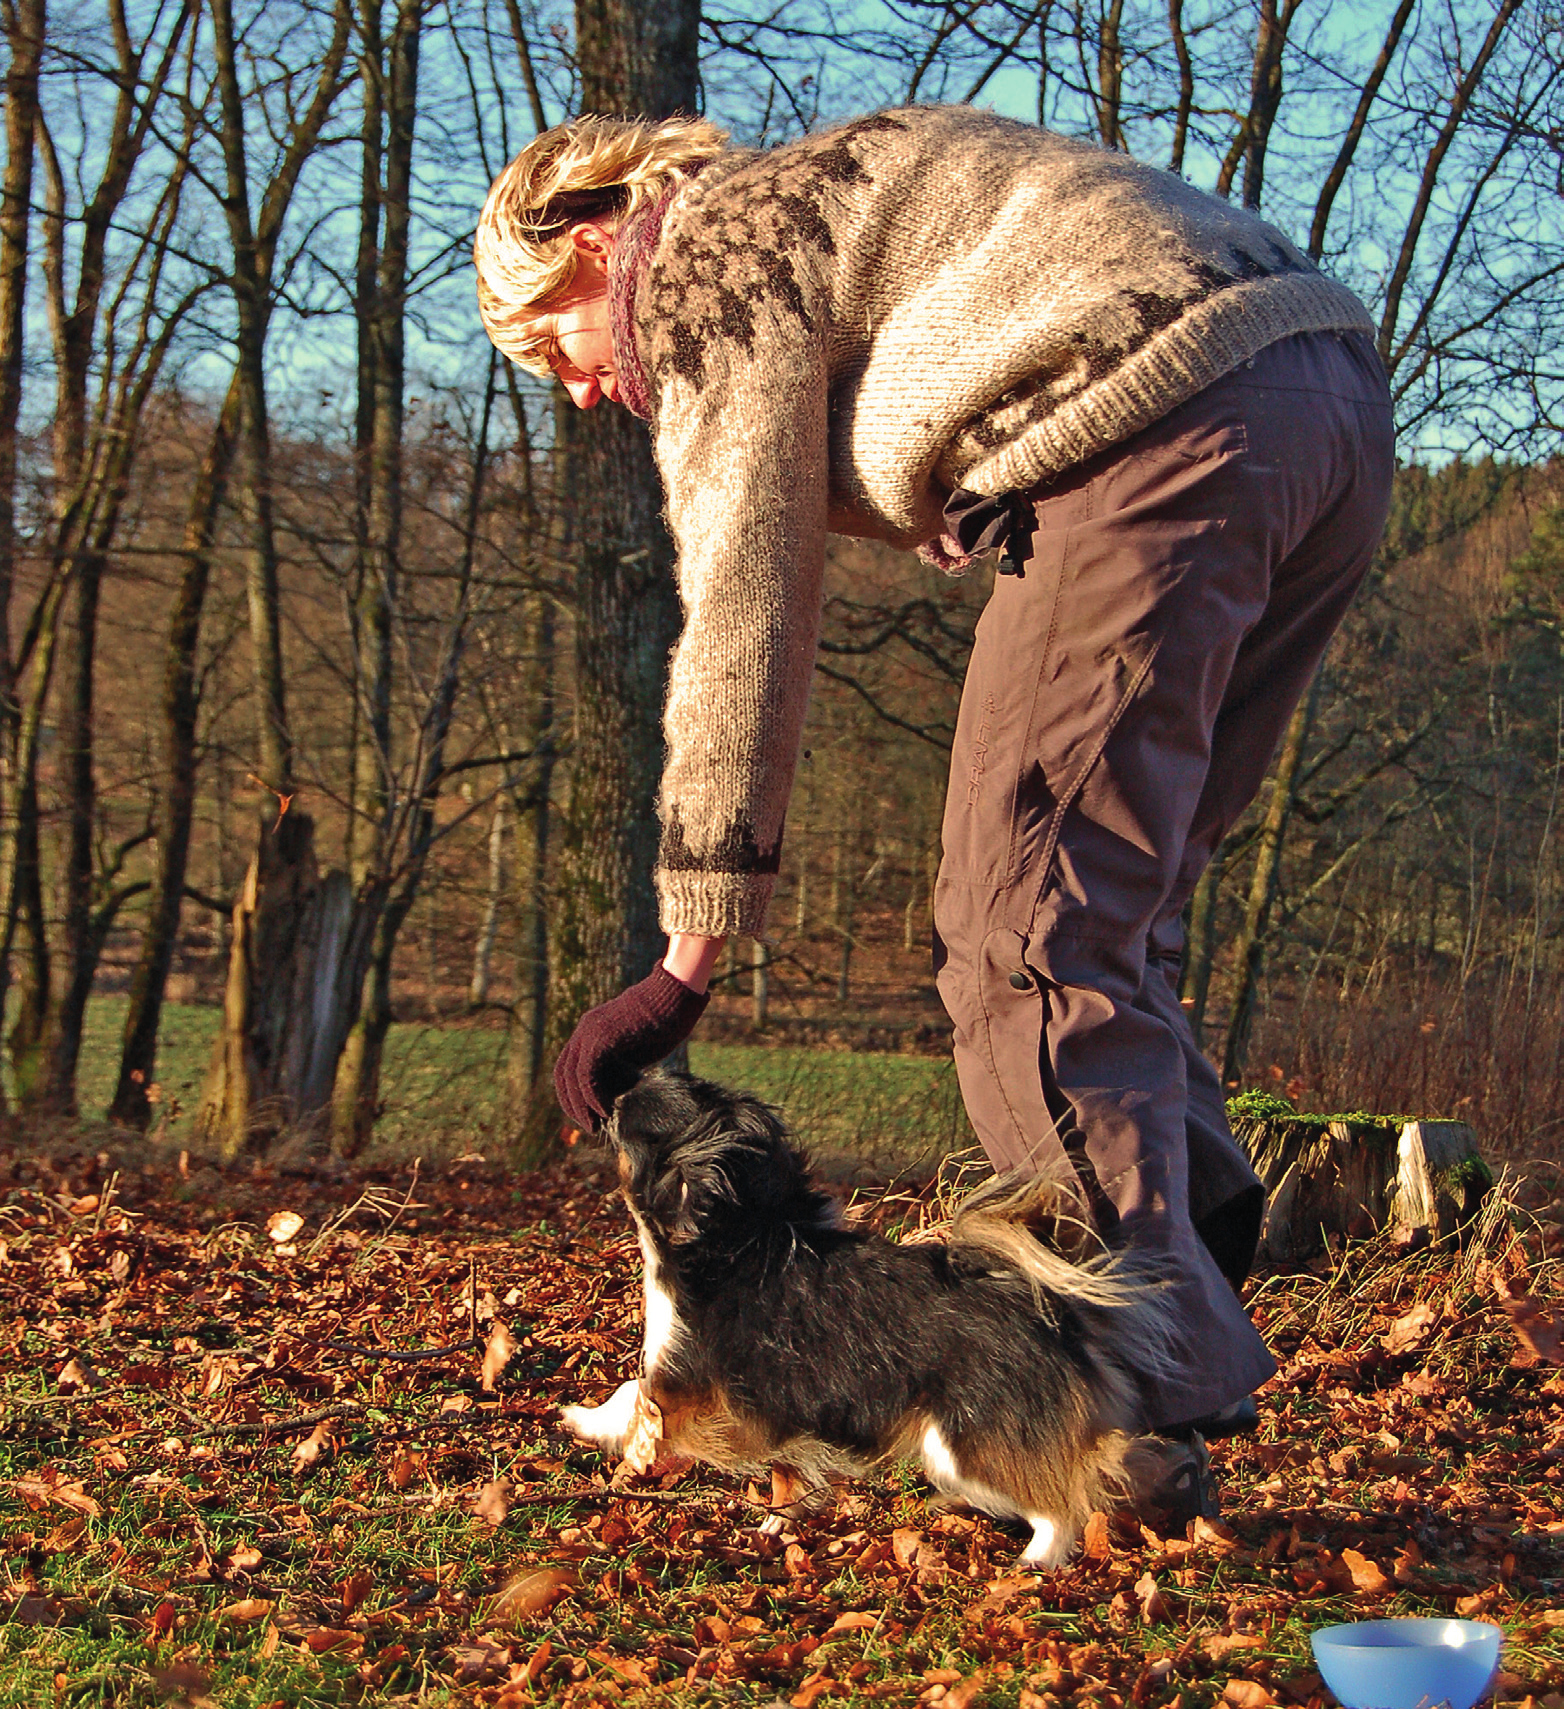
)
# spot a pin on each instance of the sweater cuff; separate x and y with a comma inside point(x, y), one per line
point(714, 904)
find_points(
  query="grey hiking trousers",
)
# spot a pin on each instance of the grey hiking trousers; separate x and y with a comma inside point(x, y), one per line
point(1124, 697)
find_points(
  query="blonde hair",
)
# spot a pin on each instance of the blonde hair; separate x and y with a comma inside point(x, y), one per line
point(590, 168)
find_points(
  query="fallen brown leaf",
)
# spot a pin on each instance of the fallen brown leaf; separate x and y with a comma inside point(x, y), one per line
point(386, 1662)
point(905, 1544)
point(76, 1377)
point(318, 1442)
point(813, 1688)
point(496, 1355)
point(1367, 1575)
point(492, 1502)
point(967, 1692)
point(354, 1589)
point(627, 1667)
point(1411, 1329)
point(1094, 1540)
point(183, 1682)
point(480, 1662)
point(1246, 1694)
point(246, 1609)
point(536, 1662)
point(1001, 1591)
point(796, 1560)
point(243, 1558)
point(852, 1622)
point(334, 1640)
point(1540, 1333)
point(532, 1591)
point(1221, 1644)
point(1213, 1534)
point(281, 1226)
point(33, 1611)
point(64, 1534)
point(1153, 1610)
point(406, 1467)
point(35, 1491)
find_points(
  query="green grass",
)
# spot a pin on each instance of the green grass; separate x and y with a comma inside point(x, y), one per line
point(885, 1112)
point(442, 1085)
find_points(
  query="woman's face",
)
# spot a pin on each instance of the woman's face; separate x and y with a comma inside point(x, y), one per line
point(575, 323)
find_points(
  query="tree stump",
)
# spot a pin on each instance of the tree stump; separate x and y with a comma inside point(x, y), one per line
point(1355, 1175)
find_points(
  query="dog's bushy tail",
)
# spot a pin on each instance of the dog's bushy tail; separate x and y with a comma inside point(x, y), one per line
point(1041, 1228)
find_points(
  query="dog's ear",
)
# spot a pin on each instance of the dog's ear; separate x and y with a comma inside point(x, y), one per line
point(685, 1194)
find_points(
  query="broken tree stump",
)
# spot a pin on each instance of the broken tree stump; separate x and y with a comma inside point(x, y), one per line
point(1356, 1174)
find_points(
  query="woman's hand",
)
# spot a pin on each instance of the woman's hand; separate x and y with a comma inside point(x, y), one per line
point(615, 1043)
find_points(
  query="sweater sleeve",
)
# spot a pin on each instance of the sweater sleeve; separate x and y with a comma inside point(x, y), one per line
point(741, 443)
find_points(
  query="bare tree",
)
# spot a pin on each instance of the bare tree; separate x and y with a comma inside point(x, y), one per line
point(175, 803)
point(635, 56)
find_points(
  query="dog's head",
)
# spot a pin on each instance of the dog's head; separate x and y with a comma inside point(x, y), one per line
point(694, 1157)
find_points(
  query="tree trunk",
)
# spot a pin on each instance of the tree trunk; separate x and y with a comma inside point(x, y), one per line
point(1200, 948)
point(25, 1040)
point(1110, 75)
point(638, 57)
point(248, 1095)
point(288, 942)
point(1249, 951)
point(760, 985)
point(24, 22)
point(378, 911)
point(488, 931)
point(300, 943)
point(175, 807)
point(526, 1051)
point(80, 944)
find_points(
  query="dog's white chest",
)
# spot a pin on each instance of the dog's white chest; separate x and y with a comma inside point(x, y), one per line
point(662, 1323)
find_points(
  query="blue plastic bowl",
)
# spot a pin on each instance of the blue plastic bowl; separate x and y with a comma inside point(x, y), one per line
point(1408, 1664)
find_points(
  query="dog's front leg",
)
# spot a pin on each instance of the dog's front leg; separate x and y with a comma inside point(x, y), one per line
point(628, 1426)
point(607, 1426)
point(794, 1494)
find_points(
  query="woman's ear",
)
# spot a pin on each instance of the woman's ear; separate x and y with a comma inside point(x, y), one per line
point(593, 242)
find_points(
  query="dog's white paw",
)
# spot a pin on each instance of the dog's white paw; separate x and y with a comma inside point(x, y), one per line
point(608, 1425)
point(1047, 1548)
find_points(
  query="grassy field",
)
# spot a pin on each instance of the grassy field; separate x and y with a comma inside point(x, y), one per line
point(877, 1113)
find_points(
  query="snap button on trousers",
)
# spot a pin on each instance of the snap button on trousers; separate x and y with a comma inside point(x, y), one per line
point(1124, 698)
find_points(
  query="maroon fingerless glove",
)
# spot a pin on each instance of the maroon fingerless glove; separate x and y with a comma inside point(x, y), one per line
point(615, 1043)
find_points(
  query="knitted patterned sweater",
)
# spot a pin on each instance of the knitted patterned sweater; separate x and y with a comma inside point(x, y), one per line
point(840, 331)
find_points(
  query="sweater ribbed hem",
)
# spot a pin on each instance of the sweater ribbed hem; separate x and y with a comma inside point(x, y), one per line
point(1220, 335)
point(714, 904)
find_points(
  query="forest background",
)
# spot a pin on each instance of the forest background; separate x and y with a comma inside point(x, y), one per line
point(331, 648)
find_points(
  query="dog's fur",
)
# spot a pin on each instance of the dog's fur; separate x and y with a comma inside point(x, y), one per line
point(776, 1336)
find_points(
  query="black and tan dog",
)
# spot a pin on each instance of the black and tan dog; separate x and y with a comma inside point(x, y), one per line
point(776, 1336)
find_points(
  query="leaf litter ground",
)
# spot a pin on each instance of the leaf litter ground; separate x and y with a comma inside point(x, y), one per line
point(282, 1439)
